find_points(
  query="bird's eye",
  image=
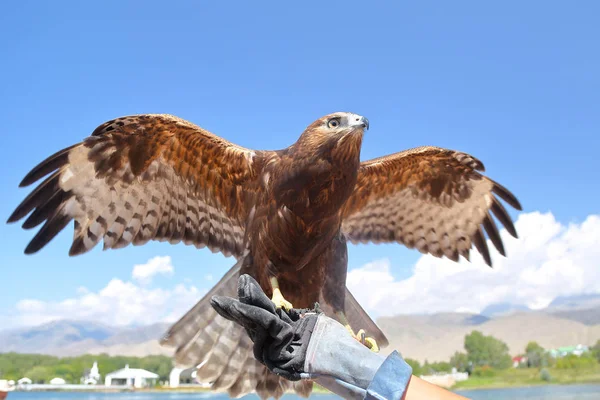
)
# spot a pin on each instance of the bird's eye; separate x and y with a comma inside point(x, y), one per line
point(333, 123)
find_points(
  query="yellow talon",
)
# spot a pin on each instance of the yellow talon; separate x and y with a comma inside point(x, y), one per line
point(278, 299)
point(367, 340)
point(361, 336)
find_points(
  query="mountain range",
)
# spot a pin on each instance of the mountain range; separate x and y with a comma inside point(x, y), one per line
point(434, 337)
point(71, 338)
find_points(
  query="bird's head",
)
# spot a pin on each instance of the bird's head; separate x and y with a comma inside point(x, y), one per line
point(340, 131)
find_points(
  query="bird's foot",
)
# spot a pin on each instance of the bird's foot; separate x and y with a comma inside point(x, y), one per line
point(280, 301)
point(361, 335)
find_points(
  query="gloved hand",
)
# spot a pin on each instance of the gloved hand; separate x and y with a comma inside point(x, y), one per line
point(306, 344)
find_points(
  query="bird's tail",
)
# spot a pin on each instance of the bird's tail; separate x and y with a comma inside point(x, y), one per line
point(222, 350)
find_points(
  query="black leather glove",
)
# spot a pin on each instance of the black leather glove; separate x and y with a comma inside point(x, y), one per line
point(306, 344)
point(280, 338)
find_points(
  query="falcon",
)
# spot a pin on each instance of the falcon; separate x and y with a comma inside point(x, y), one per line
point(285, 215)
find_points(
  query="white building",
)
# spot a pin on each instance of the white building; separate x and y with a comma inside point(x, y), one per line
point(91, 376)
point(24, 381)
point(57, 381)
point(135, 377)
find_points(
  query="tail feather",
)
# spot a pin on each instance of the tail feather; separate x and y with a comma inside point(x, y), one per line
point(303, 388)
point(249, 375)
point(183, 331)
point(230, 340)
point(234, 368)
point(222, 349)
point(272, 386)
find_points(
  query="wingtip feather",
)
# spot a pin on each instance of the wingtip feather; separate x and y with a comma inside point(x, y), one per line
point(507, 196)
point(47, 166)
point(481, 245)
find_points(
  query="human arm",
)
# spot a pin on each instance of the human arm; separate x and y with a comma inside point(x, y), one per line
point(306, 344)
point(419, 389)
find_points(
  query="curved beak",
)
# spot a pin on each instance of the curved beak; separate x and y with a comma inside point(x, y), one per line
point(359, 120)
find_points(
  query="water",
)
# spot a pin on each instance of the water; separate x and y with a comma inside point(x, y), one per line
point(549, 392)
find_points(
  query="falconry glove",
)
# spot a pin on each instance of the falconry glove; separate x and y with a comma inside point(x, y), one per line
point(306, 344)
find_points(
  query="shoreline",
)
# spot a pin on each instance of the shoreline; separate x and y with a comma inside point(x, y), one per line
point(524, 386)
point(315, 391)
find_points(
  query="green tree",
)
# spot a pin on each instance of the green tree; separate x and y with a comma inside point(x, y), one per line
point(39, 374)
point(536, 355)
point(436, 367)
point(460, 361)
point(41, 368)
point(595, 350)
point(487, 350)
point(415, 365)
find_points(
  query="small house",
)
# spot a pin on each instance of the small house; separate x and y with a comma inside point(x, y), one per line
point(132, 377)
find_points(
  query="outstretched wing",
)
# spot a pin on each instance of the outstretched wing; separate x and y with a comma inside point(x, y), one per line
point(141, 178)
point(432, 199)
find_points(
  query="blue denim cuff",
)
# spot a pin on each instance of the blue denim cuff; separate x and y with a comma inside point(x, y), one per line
point(390, 380)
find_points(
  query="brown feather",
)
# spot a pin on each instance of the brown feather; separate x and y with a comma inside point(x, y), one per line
point(493, 234)
point(429, 198)
point(115, 172)
point(481, 245)
point(47, 166)
point(500, 212)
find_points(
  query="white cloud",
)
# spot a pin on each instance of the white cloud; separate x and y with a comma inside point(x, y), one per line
point(144, 273)
point(118, 303)
point(82, 290)
point(548, 260)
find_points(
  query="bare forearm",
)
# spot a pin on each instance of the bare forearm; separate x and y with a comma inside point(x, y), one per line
point(418, 389)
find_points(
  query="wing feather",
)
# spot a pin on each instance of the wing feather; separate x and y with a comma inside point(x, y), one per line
point(432, 199)
point(140, 178)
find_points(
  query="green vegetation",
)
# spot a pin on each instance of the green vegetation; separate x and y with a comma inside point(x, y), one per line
point(489, 360)
point(486, 359)
point(573, 362)
point(528, 377)
point(460, 361)
point(595, 351)
point(41, 369)
point(428, 368)
point(487, 351)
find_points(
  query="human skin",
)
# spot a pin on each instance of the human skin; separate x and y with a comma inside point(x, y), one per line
point(418, 389)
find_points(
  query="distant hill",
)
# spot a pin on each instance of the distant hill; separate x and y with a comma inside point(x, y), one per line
point(432, 337)
point(436, 338)
point(581, 308)
point(66, 338)
point(590, 316)
point(55, 335)
point(498, 309)
point(577, 302)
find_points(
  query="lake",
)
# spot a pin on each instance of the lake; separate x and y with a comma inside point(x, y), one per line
point(549, 392)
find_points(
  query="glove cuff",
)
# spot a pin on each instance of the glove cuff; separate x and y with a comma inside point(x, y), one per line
point(340, 363)
point(391, 379)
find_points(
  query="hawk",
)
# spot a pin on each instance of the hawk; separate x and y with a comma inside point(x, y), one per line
point(285, 215)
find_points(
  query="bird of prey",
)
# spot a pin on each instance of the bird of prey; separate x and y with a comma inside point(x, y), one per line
point(285, 215)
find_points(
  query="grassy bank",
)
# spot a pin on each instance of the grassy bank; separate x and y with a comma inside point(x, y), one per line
point(515, 377)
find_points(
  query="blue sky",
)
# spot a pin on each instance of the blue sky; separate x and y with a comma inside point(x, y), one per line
point(515, 84)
